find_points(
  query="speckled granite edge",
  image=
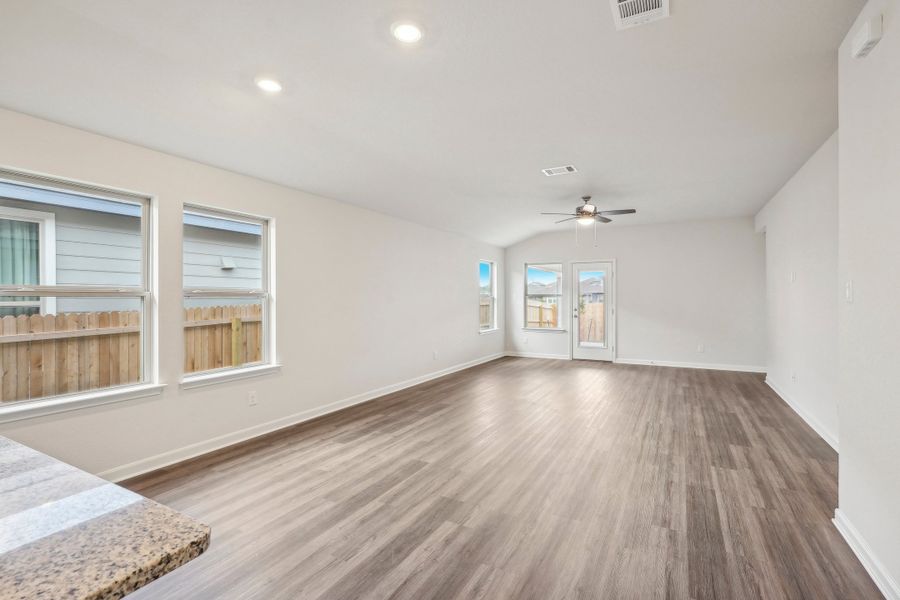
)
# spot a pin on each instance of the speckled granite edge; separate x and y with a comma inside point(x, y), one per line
point(70, 535)
point(153, 571)
point(107, 557)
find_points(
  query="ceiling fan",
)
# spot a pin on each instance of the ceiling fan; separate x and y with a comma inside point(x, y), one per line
point(587, 214)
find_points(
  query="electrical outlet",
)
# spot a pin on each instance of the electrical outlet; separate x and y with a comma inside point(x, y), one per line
point(793, 276)
point(251, 398)
point(434, 354)
point(794, 376)
point(701, 348)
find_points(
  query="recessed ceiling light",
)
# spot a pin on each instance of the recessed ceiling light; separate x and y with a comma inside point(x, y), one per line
point(406, 32)
point(268, 85)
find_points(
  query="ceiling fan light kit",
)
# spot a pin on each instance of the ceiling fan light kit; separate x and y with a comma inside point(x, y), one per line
point(587, 214)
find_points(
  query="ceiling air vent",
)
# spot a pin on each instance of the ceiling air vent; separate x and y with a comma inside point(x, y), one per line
point(559, 170)
point(631, 13)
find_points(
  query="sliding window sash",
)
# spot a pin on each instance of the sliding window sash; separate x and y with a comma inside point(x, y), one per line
point(225, 293)
point(73, 291)
point(28, 186)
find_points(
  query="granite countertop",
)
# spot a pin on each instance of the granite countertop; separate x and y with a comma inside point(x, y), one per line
point(67, 534)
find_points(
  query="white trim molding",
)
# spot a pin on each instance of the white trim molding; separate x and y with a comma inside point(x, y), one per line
point(177, 455)
point(222, 376)
point(538, 355)
point(29, 409)
point(691, 365)
point(823, 432)
point(877, 571)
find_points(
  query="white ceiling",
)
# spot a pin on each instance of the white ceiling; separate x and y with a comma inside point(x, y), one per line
point(705, 114)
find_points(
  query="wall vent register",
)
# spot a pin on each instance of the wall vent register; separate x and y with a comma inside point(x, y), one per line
point(631, 13)
point(565, 170)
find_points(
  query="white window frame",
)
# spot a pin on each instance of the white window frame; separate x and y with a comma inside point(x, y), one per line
point(494, 326)
point(48, 291)
point(266, 296)
point(46, 251)
point(559, 325)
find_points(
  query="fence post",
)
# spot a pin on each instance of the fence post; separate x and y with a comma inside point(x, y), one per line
point(236, 341)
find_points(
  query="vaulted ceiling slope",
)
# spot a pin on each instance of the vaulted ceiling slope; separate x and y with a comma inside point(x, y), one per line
point(701, 115)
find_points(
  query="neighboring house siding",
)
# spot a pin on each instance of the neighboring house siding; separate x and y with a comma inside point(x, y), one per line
point(203, 252)
point(94, 248)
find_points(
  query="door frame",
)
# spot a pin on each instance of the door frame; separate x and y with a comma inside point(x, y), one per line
point(573, 324)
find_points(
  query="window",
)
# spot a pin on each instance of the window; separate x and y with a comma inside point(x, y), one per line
point(543, 295)
point(227, 291)
point(27, 257)
point(487, 300)
point(74, 292)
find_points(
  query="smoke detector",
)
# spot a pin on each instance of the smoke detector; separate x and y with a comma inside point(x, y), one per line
point(631, 13)
point(559, 170)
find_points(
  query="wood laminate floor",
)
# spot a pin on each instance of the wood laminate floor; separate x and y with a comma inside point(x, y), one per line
point(526, 479)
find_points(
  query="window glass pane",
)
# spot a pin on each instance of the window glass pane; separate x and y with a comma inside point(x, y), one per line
point(19, 256)
point(76, 345)
point(19, 263)
point(543, 293)
point(60, 238)
point(591, 308)
point(542, 311)
point(221, 252)
point(487, 300)
point(544, 280)
point(222, 333)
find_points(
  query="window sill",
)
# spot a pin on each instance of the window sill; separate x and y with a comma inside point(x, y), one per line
point(544, 329)
point(487, 331)
point(212, 378)
point(29, 409)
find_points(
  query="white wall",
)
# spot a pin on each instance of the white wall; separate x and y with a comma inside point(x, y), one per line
point(869, 256)
point(679, 285)
point(394, 292)
point(801, 227)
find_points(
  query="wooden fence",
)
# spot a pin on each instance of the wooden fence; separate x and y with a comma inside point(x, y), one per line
point(485, 312)
point(222, 336)
point(591, 319)
point(591, 323)
point(47, 355)
point(540, 314)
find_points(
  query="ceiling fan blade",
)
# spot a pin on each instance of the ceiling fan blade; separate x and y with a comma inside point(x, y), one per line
point(624, 211)
point(603, 219)
point(561, 214)
point(569, 219)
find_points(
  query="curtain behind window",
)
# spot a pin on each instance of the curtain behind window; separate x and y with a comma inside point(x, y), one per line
point(19, 262)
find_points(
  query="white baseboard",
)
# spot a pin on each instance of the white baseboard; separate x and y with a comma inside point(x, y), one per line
point(691, 365)
point(538, 355)
point(810, 420)
point(177, 455)
point(887, 584)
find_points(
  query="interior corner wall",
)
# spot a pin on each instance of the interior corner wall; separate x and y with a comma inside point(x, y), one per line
point(365, 302)
point(869, 260)
point(801, 229)
point(679, 286)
